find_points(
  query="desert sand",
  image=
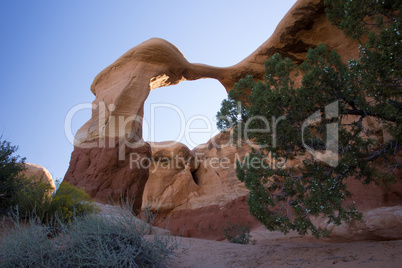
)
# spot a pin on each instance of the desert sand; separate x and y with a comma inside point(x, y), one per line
point(272, 249)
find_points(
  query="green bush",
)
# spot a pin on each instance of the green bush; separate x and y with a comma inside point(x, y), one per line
point(237, 233)
point(35, 199)
point(95, 240)
point(69, 202)
point(32, 197)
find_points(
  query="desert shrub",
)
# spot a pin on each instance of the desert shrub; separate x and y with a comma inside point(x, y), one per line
point(32, 197)
point(95, 240)
point(26, 245)
point(68, 202)
point(238, 233)
point(118, 242)
point(34, 200)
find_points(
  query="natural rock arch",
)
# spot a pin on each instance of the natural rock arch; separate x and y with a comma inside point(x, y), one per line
point(104, 146)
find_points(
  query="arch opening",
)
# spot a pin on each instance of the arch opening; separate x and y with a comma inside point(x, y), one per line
point(184, 113)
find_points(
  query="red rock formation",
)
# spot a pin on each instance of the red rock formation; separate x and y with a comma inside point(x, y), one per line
point(122, 87)
point(106, 177)
point(196, 200)
point(207, 222)
point(105, 145)
point(181, 179)
point(197, 191)
point(374, 195)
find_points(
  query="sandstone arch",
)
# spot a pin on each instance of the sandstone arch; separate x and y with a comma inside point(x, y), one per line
point(100, 161)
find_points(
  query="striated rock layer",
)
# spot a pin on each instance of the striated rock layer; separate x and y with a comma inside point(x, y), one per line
point(110, 156)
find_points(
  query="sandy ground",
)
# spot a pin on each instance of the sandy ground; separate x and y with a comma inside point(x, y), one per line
point(276, 250)
point(273, 249)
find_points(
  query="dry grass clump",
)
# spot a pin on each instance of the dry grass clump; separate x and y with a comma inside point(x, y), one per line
point(93, 240)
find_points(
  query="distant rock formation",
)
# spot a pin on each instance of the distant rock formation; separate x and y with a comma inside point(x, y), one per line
point(110, 157)
point(38, 173)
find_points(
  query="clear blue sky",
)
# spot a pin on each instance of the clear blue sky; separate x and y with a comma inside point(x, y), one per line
point(51, 50)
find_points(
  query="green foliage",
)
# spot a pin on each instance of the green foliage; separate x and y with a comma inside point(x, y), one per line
point(358, 18)
point(237, 233)
point(10, 166)
point(378, 71)
point(343, 99)
point(69, 202)
point(33, 197)
point(89, 241)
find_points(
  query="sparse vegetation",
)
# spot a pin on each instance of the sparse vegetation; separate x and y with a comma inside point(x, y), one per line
point(32, 197)
point(95, 240)
point(238, 233)
point(35, 199)
point(64, 229)
point(69, 202)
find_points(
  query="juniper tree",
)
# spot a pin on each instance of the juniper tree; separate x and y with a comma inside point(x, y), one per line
point(10, 167)
point(323, 121)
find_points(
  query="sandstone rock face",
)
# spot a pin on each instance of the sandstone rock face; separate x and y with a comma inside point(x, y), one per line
point(197, 189)
point(37, 173)
point(207, 222)
point(170, 183)
point(196, 192)
point(180, 179)
point(375, 195)
point(382, 223)
point(106, 177)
